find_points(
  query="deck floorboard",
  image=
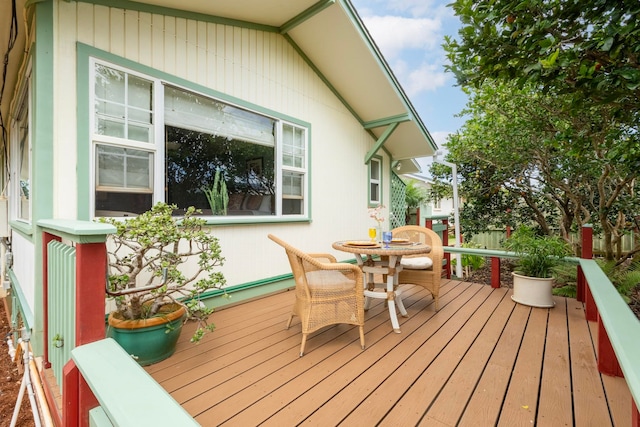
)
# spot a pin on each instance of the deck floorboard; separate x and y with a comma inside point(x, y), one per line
point(481, 360)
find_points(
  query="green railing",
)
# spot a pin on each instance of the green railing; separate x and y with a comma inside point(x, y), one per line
point(127, 394)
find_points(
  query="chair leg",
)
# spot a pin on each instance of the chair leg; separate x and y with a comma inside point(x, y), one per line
point(362, 336)
point(290, 320)
point(436, 299)
point(304, 341)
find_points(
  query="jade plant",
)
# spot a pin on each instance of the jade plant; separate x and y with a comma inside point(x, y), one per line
point(149, 265)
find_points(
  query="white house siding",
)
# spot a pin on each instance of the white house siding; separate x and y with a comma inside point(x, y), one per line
point(23, 268)
point(257, 67)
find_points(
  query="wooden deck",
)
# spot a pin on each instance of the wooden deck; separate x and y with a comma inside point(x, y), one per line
point(482, 360)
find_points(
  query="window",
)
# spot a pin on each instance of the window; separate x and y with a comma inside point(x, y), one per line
point(262, 161)
point(375, 180)
point(22, 163)
point(437, 204)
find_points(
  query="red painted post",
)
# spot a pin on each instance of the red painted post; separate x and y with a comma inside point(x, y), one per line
point(607, 360)
point(445, 242)
point(587, 253)
point(495, 272)
point(70, 394)
point(46, 238)
point(78, 397)
point(428, 223)
point(508, 231)
point(91, 273)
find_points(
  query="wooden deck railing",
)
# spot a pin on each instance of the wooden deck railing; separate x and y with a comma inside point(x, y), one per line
point(87, 387)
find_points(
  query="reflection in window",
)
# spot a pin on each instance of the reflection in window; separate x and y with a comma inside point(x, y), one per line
point(24, 162)
point(192, 159)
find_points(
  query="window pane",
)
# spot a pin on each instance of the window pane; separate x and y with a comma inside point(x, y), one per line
point(196, 112)
point(293, 146)
point(139, 93)
point(123, 168)
point(292, 184)
point(110, 128)
point(192, 159)
point(113, 203)
point(375, 169)
point(375, 192)
point(120, 99)
point(109, 84)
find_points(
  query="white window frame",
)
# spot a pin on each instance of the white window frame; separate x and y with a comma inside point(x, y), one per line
point(156, 147)
point(375, 164)
point(23, 115)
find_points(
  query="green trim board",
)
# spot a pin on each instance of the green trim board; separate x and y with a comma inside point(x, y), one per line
point(386, 121)
point(380, 142)
point(310, 12)
point(167, 11)
point(78, 231)
point(27, 315)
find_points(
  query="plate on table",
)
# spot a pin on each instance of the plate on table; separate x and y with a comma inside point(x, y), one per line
point(401, 242)
point(362, 243)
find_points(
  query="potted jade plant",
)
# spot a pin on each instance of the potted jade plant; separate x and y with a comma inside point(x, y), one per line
point(538, 256)
point(154, 286)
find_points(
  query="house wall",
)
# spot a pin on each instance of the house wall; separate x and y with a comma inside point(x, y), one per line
point(255, 66)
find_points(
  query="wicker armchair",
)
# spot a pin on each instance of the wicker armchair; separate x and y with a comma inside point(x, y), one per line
point(327, 292)
point(423, 270)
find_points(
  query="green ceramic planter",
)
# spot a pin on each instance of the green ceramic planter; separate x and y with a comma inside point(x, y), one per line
point(148, 341)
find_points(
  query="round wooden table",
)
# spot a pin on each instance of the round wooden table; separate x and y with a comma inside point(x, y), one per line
point(387, 265)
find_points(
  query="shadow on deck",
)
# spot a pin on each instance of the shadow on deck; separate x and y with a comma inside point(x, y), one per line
point(482, 360)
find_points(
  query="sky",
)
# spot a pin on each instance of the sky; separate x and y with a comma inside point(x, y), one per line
point(410, 34)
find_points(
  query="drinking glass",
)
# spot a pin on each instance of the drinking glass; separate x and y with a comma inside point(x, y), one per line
point(386, 238)
point(372, 234)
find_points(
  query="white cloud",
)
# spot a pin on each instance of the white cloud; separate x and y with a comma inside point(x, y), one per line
point(440, 137)
point(394, 34)
point(428, 77)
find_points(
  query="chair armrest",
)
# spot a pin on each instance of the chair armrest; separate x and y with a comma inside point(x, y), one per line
point(321, 256)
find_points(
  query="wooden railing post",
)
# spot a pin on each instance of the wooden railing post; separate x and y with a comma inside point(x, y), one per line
point(91, 273)
point(445, 242)
point(591, 311)
point(607, 360)
point(587, 253)
point(495, 272)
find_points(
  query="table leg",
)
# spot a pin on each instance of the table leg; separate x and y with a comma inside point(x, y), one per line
point(392, 279)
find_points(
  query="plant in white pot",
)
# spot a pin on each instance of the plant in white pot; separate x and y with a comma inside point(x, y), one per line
point(537, 257)
point(154, 285)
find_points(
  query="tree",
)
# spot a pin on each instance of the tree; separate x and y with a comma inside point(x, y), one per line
point(589, 48)
point(525, 156)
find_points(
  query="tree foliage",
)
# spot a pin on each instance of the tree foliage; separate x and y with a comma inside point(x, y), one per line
point(553, 131)
point(524, 156)
point(586, 47)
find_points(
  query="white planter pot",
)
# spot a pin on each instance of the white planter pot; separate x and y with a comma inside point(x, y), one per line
point(532, 291)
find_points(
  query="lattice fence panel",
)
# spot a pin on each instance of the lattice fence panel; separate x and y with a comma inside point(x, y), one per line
point(398, 203)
